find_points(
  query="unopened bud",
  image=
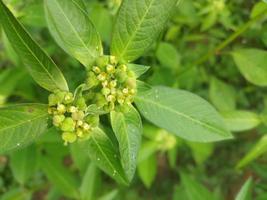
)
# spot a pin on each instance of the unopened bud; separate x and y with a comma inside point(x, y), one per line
point(105, 91)
point(96, 70)
point(110, 98)
point(102, 76)
point(68, 98)
point(68, 125)
point(58, 119)
point(77, 115)
point(69, 137)
point(110, 69)
point(113, 60)
point(61, 108)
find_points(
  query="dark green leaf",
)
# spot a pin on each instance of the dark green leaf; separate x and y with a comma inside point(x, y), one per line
point(21, 124)
point(128, 130)
point(40, 65)
point(138, 25)
point(183, 114)
point(72, 29)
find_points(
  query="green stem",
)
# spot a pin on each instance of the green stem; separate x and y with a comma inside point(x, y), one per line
point(226, 42)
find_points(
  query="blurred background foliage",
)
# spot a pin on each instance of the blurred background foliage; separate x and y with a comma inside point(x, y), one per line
point(193, 53)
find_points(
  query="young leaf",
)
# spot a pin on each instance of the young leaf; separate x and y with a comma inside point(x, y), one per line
point(252, 64)
point(104, 155)
point(90, 182)
point(72, 29)
point(182, 113)
point(147, 170)
point(255, 152)
point(60, 177)
point(128, 130)
point(21, 124)
point(138, 69)
point(138, 25)
point(41, 67)
point(245, 191)
point(194, 190)
point(240, 120)
point(23, 160)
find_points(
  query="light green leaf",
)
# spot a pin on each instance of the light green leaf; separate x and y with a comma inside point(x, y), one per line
point(72, 29)
point(182, 113)
point(128, 130)
point(168, 55)
point(241, 120)
point(60, 176)
point(245, 191)
point(41, 67)
point(252, 65)
point(21, 124)
point(147, 170)
point(110, 196)
point(17, 194)
point(138, 69)
point(222, 95)
point(90, 182)
point(259, 149)
point(138, 25)
point(103, 153)
point(200, 151)
point(23, 163)
point(194, 190)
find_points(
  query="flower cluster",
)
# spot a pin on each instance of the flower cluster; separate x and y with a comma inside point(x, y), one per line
point(110, 84)
point(69, 115)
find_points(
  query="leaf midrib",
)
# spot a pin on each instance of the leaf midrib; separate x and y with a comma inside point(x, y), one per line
point(136, 29)
point(13, 27)
point(73, 29)
point(183, 115)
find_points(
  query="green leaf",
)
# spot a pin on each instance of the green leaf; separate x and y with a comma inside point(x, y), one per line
point(200, 151)
point(168, 55)
point(41, 67)
point(138, 25)
point(90, 182)
point(60, 176)
point(147, 170)
point(194, 190)
point(79, 155)
point(21, 124)
point(23, 163)
point(17, 194)
point(72, 29)
point(245, 191)
point(110, 196)
point(182, 113)
point(252, 65)
point(222, 95)
point(128, 130)
point(138, 69)
point(241, 120)
point(259, 149)
point(103, 153)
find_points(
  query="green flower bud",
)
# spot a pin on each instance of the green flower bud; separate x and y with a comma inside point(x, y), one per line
point(105, 91)
point(131, 83)
point(105, 83)
point(91, 80)
point(110, 69)
point(113, 60)
point(79, 123)
point(86, 127)
point(58, 119)
point(77, 115)
point(52, 100)
point(123, 68)
point(79, 132)
point(111, 98)
point(68, 98)
point(125, 91)
point(102, 61)
point(69, 137)
point(72, 109)
point(100, 100)
point(121, 76)
point(113, 83)
point(81, 104)
point(93, 120)
point(96, 69)
point(131, 74)
point(102, 76)
point(61, 109)
point(68, 125)
point(60, 96)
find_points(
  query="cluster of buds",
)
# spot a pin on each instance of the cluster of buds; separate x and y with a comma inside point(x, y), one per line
point(69, 115)
point(111, 84)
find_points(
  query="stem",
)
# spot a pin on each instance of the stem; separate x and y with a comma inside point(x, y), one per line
point(226, 42)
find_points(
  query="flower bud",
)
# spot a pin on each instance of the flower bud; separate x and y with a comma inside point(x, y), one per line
point(81, 104)
point(121, 76)
point(105, 91)
point(61, 109)
point(102, 76)
point(111, 98)
point(93, 120)
point(100, 100)
point(113, 60)
point(69, 137)
point(96, 70)
point(110, 69)
point(52, 100)
point(79, 132)
point(72, 109)
point(91, 80)
point(113, 83)
point(68, 125)
point(125, 91)
point(58, 119)
point(122, 68)
point(68, 98)
point(102, 61)
point(86, 127)
point(77, 115)
point(131, 83)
